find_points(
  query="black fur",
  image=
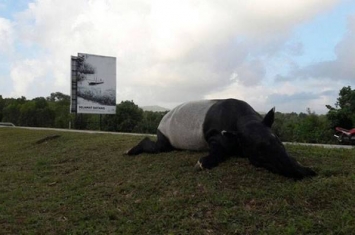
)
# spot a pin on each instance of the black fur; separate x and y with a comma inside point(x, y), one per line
point(233, 128)
point(148, 146)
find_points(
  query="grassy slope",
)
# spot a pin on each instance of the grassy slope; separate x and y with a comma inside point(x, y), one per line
point(83, 184)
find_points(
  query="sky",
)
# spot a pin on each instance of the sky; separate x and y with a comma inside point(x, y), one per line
point(292, 55)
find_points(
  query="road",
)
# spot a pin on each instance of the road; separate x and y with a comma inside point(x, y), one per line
point(81, 131)
point(323, 145)
point(137, 134)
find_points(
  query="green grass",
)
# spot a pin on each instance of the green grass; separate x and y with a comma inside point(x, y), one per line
point(84, 184)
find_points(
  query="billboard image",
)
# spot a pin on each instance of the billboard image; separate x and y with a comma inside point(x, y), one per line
point(94, 84)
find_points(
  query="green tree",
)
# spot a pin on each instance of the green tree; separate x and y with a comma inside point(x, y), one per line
point(304, 127)
point(11, 113)
point(2, 105)
point(343, 114)
point(58, 97)
point(27, 114)
point(60, 104)
point(313, 128)
point(150, 122)
point(11, 109)
point(36, 113)
point(284, 125)
point(128, 116)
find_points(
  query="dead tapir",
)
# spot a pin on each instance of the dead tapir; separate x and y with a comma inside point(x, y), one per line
point(227, 127)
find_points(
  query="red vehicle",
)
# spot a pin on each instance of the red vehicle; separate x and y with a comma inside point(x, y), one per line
point(345, 136)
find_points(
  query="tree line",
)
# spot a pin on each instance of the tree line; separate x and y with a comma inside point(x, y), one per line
point(53, 111)
point(312, 128)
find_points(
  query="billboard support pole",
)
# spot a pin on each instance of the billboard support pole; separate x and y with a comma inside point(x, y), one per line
point(74, 85)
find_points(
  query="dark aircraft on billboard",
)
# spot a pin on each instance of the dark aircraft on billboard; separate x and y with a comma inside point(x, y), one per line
point(95, 82)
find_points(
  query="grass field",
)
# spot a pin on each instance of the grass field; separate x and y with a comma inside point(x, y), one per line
point(84, 184)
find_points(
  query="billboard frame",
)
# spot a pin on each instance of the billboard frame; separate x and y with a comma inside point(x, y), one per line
point(93, 84)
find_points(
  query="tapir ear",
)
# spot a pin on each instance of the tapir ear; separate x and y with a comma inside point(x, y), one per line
point(269, 117)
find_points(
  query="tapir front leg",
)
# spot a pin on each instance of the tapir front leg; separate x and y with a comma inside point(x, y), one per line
point(218, 152)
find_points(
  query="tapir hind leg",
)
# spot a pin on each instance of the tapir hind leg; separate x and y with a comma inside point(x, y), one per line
point(148, 146)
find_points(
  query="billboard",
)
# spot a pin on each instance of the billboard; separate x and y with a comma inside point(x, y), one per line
point(93, 86)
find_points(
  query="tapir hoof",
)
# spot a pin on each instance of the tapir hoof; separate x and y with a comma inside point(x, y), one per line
point(199, 166)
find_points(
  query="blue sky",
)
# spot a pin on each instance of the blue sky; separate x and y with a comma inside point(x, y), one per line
point(293, 55)
point(320, 36)
point(9, 7)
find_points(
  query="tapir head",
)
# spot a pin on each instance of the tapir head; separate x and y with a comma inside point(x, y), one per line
point(264, 149)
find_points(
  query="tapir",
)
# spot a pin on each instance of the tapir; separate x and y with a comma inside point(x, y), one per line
point(224, 127)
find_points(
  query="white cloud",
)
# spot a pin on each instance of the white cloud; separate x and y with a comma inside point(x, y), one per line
point(6, 36)
point(26, 74)
point(273, 16)
point(250, 73)
point(167, 51)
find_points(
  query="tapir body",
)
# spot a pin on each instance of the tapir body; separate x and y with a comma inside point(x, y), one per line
point(225, 128)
